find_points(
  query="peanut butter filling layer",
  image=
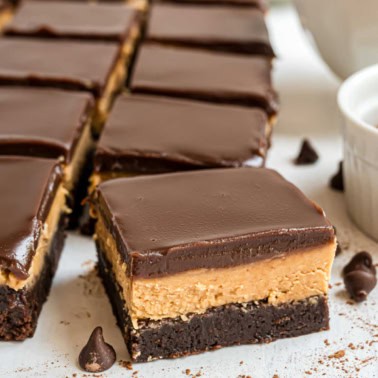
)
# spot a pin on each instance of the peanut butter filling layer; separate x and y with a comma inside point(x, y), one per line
point(5, 17)
point(85, 145)
point(116, 79)
point(290, 277)
point(49, 228)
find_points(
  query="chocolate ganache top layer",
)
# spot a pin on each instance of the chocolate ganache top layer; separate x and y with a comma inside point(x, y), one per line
point(248, 3)
point(27, 189)
point(217, 28)
point(169, 223)
point(204, 75)
point(42, 122)
point(152, 134)
point(58, 64)
point(66, 19)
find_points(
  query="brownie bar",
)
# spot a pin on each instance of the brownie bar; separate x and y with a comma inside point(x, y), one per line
point(31, 239)
point(19, 310)
point(231, 324)
point(187, 247)
point(204, 27)
point(74, 20)
point(205, 76)
point(155, 135)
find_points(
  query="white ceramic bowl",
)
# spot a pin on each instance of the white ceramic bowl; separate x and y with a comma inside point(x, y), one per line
point(358, 101)
point(344, 31)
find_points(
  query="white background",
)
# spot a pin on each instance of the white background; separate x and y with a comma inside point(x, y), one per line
point(77, 302)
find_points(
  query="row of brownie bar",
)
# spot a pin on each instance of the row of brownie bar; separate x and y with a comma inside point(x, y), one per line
point(61, 65)
point(88, 57)
point(197, 260)
point(204, 258)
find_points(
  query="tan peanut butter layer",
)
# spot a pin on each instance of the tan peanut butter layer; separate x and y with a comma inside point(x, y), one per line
point(285, 278)
point(116, 79)
point(58, 207)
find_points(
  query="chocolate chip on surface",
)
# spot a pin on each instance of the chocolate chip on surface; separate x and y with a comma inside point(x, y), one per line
point(359, 284)
point(360, 261)
point(360, 276)
point(97, 355)
point(307, 154)
point(337, 181)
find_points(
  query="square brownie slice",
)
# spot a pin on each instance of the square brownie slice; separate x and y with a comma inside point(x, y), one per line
point(220, 28)
point(32, 204)
point(205, 76)
point(116, 22)
point(155, 135)
point(199, 260)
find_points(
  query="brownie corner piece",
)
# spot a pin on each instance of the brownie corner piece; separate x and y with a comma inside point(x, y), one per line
point(31, 240)
point(190, 243)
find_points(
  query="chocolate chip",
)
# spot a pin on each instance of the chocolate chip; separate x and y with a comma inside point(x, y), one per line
point(360, 261)
point(359, 284)
point(360, 276)
point(307, 154)
point(337, 181)
point(97, 355)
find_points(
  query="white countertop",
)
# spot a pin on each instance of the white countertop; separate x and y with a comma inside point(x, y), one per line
point(77, 302)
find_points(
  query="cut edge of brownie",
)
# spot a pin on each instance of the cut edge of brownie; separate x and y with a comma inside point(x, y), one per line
point(253, 322)
point(19, 310)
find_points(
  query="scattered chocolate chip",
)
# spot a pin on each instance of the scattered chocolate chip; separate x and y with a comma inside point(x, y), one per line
point(360, 276)
point(337, 181)
point(360, 261)
point(359, 284)
point(307, 154)
point(97, 355)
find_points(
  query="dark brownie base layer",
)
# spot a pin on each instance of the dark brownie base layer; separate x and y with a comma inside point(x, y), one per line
point(233, 324)
point(19, 310)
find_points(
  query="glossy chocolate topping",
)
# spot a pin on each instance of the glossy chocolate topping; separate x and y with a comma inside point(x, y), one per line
point(169, 223)
point(27, 188)
point(151, 134)
point(62, 64)
point(67, 19)
point(217, 28)
point(249, 3)
point(207, 76)
point(41, 122)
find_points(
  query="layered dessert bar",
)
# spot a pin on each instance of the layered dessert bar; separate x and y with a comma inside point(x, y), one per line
point(33, 213)
point(50, 123)
point(96, 67)
point(206, 76)
point(200, 260)
point(244, 30)
point(77, 20)
point(156, 135)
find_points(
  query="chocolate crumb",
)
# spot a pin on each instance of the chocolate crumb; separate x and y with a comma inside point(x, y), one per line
point(125, 364)
point(307, 154)
point(338, 354)
point(337, 181)
point(326, 342)
point(97, 355)
point(187, 371)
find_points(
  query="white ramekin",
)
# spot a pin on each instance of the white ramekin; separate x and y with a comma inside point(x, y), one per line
point(358, 102)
